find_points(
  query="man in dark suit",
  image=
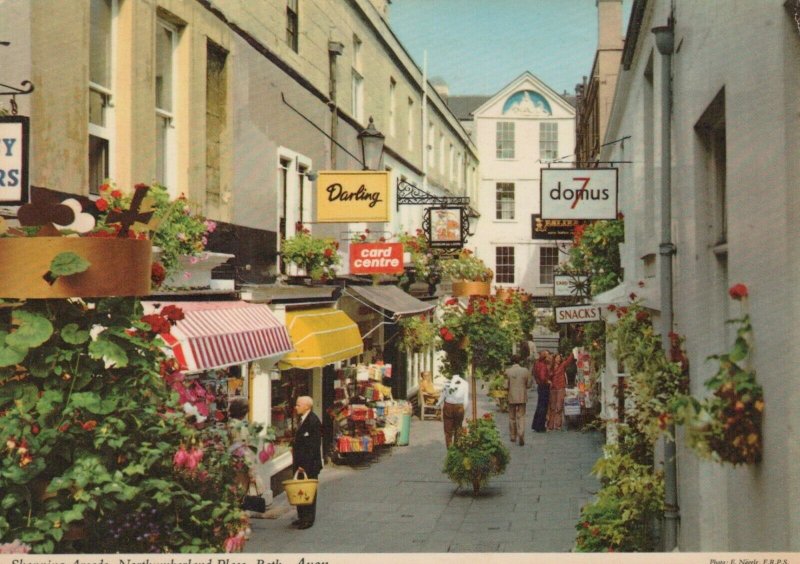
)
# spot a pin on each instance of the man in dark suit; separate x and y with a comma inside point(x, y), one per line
point(307, 455)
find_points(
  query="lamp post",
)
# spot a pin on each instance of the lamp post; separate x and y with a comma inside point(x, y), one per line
point(665, 43)
point(371, 146)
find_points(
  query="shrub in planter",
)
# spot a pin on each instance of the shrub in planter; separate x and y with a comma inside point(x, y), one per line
point(98, 454)
point(620, 517)
point(476, 454)
point(316, 256)
point(467, 267)
point(419, 332)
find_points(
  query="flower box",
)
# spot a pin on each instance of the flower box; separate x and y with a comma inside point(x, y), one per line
point(118, 267)
point(195, 272)
point(470, 288)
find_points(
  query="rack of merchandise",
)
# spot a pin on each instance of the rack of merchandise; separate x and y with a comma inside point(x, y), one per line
point(364, 414)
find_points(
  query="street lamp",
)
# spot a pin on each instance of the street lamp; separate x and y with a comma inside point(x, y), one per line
point(371, 147)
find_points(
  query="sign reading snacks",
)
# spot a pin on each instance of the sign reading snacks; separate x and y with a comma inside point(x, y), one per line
point(572, 193)
point(352, 197)
point(577, 314)
point(13, 160)
point(553, 229)
point(567, 285)
point(376, 258)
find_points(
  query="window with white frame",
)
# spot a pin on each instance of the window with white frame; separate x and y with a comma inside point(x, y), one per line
point(392, 107)
point(504, 265)
point(357, 81)
point(505, 139)
point(101, 91)
point(548, 140)
point(548, 261)
point(165, 48)
point(505, 200)
point(292, 25)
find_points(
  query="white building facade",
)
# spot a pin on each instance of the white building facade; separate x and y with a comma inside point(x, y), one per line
point(518, 131)
point(735, 126)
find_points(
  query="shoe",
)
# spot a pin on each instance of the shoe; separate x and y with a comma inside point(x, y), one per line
point(296, 522)
point(304, 525)
point(521, 441)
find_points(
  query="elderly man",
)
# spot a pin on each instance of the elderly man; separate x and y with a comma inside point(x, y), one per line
point(307, 455)
point(519, 382)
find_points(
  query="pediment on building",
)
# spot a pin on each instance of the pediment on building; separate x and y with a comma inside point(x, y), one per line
point(526, 97)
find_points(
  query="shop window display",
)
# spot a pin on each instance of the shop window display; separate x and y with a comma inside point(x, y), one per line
point(285, 391)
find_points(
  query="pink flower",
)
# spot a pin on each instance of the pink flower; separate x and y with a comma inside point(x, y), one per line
point(235, 543)
point(187, 275)
point(211, 226)
point(193, 260)
point(738, 291)
point(14, 547)
point(194, 458)
point(266, 453)
point(180, 458)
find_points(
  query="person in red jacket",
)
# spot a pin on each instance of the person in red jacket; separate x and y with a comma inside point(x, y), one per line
point(555, 412)
point(541, 373)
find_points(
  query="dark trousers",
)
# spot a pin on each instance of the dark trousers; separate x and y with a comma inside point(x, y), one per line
point(453, 418)
point(307, 513)
point(540, 416)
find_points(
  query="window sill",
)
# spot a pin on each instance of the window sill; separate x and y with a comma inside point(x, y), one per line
point(505, 221)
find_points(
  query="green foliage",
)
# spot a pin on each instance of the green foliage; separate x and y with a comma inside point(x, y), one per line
point(476, 454)
point(726, 426)
point(316, 256)
point(90, 435)
point(419, 332)
point(620, 517)
point(596, 253)
point(492, 325)
point(425, 265)
point(68, 263)
point(466, 266)
point(655, 383)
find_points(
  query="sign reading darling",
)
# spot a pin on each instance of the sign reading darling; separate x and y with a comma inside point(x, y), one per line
point(352, 197)
point(572, 193)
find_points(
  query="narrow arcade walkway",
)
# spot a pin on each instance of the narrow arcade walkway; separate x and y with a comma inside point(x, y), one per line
point(402, 502)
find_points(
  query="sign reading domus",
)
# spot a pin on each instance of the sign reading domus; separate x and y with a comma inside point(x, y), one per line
point(571, 193)
point(352, 196)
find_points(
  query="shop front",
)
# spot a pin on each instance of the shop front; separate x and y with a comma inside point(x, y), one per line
point(217, 346)
point(377, 309)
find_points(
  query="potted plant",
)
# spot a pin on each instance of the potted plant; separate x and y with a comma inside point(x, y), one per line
point(421, 264)
point(316, 257)
point(470, 275)
point(419, 332)
point(499, 392)
point(476, 454)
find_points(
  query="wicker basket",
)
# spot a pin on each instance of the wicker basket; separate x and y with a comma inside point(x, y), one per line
point(300, 492)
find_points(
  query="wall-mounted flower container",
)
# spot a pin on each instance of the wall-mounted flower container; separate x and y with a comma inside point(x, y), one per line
point(195, 272)
point(117, 267)
point(470, 288)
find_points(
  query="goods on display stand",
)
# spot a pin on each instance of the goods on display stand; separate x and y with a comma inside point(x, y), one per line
point(364, 414)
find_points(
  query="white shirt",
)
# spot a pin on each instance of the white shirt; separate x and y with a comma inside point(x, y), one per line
point(456, 391)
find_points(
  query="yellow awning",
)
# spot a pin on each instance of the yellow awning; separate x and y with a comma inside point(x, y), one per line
point(321, 336)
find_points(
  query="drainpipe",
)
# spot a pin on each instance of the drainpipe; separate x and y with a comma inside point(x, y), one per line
point(665, 43)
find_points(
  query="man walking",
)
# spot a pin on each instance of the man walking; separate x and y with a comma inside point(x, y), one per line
point(519, 382)
point(453, 401)
point(541, 373)
point(307, 455)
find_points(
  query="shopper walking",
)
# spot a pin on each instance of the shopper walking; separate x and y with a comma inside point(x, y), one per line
point(307, 455)
point(519, 381)
point(453, 401)
point(541, 373)
point(555, 414)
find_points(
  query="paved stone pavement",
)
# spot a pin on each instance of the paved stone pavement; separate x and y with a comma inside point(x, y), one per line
point(402, 502)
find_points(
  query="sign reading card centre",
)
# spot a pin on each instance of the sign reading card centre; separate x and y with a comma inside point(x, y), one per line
point(572, 193)
point(376, 258)
point(352, 196)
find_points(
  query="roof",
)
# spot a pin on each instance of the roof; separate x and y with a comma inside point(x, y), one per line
point(463, 106)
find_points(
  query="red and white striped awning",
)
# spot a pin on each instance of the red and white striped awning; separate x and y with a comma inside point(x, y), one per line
point(218, 334)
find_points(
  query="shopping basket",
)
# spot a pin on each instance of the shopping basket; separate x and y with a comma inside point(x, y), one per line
point(300, 492)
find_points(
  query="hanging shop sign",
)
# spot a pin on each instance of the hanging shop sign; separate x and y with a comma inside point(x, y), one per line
point(376, 258)
point(577, 314)
point(572, 193)
point(352, 196)
point(14, 160)
point(553, 229)
point(569, 285)
point(445, 227)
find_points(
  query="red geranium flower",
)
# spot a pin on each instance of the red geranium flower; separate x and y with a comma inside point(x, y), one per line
point(89, 425)
point(172, 313)
point(612, 307)
point(116, 193)
point(158, 324)
point(104, 187)
point(328, 253)
point(738, 291)
point(642, 316)
point(157, 274)
point(101, 204)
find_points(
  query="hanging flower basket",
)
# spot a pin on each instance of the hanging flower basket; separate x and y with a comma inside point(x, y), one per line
point(117, 267)
point(465, 288)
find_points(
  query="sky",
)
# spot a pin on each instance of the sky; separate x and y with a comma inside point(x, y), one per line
point(479, 46)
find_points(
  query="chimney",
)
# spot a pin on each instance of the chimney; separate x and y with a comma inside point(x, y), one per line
point(441, 88)
point(609, 19)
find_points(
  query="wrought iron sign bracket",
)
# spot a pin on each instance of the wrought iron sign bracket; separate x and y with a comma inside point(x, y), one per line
point(13, 91)
point(408, 194)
